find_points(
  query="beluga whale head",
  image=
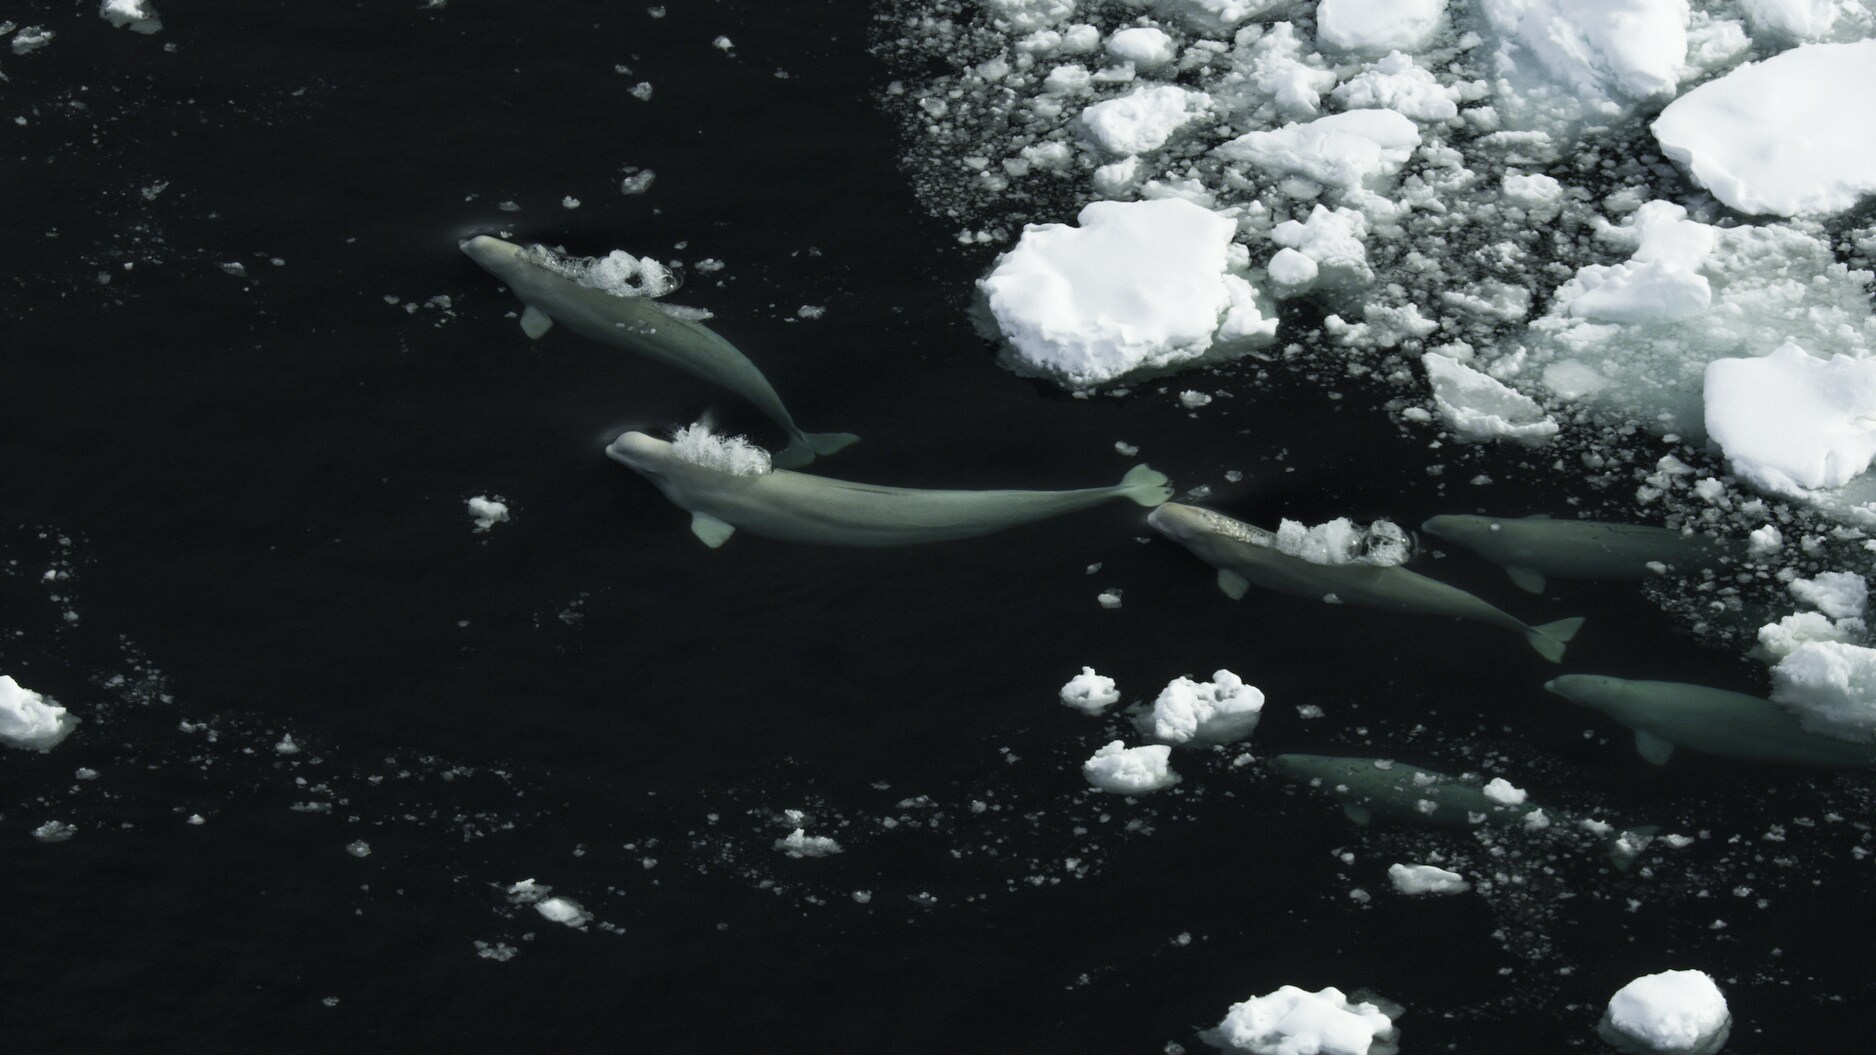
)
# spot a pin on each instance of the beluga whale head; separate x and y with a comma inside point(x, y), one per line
point(1460, 528)
point(645, 455)
point(1596, 691)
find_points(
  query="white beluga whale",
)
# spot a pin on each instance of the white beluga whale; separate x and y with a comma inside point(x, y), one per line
point(1248, 556)
point(1369, 788)
point(1530, 548)
point(1665, 715)
point(640, 325)
point(727, 485)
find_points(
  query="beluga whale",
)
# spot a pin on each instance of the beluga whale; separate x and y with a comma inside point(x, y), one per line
point(1530, 548)
point(727, 484)
point(1247, 556)
point(640, 325)
point(1665, 715)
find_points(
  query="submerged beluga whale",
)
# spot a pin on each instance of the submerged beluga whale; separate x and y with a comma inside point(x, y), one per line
point(1248, 556)
point(641, 326)
point(1530, 548)
point(1665, 715)
point(726, 488)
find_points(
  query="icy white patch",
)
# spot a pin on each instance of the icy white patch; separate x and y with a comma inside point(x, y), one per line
point(137, 15)
point(1426, 879)
point(1831, 687)
point(1221, 711)
point(1127, 770)
point(618, 272)
point(1361, 148)
point(1660, 283)
point(1144, 119)
point(799, 843)
point(1504, 793)
point(1396, 83)
point(1790, 422)
point(1378, 25)
point(30, 39)
point(1325, 252)
point(1837, 594)
point(1145, 284)
point(1794, 134)
point(1781, 639)
point(1478, 407)
point(1809, 20)
point(1147, 47)
point(487, 512)
point(1764, 541)
point(696, 444)
point(1293, 1021)
point(562, 910)
point(1559, 63)
point(1342, 541)
point(27, 721)
point(1090, 693)
point(1671, 1013)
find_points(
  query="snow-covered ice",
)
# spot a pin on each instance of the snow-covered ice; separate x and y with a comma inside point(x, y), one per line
point(1837, 594)
point(1293, 1021)
point(1090, 693)
point(799, 843)
point(563, 910)
point(1671, 1013)
point(1792, 135)
point(1831, 687)
point(28, 720)
point(137, 15)
point(1479, 407)
point(1144, 119)
point(1220, 711)
point(1790, 422)
point(1357, 149)
point(696, 444)
point(1559, 63)
point(1378, 25)
point(1137, 285)
point(487, 512)
point(1127, 770)
point(1503, 792)
point(1426, 879)
point(1147, 47)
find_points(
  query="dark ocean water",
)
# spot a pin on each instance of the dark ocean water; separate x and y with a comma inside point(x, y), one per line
point(257, 482)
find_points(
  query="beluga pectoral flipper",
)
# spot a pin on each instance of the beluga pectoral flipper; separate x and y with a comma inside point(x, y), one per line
point(728, 485)
point(1245, 556)
point(617, 306)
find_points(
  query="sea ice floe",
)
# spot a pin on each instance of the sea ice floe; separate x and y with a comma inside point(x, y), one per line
point(696, 444)
point(1557, 63)
point(1325, 253)
point(1127, 770)
point(1503, 792)
point(1480, 407)
point(487, 512)
point(1831, 687)
point(1781, 639)
point(1143, 120)
point(563, 910)
point(1090, 693)
point(1147, 47)
point(1426, 879)
point(1220, 711)
point(1378, 25)
point(1395, 82)
point(1671, 1013)
point(1837, 594)
point(28, 720)
point(799, 843)
point(1137, 285)
point(1659, 283)
point(1790, 422)
point(1343, 152)
point(1293, 1021)
point(137, 15)
point(1792, 135)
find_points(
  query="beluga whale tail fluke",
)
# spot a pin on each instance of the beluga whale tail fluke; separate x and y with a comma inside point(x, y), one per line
point(1149, 487)
point(613, 301)
point(1549, 639)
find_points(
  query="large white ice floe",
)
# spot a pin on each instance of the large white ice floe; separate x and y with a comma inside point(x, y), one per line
point(1127, 770)
point(1559, 63)
point(1661, 282)
point(1220, 711)
point(1479, 407)
point(28, 720)
point(1794, 134)
point(1378, 25)
point(1790, 422)
point(1137, 285)
point(1671, 1013)
point(1090, 693)
point(1348, 151)
point(1414, 880)
point(1144, 119)
point(1293, 1021)
point(1831, 687)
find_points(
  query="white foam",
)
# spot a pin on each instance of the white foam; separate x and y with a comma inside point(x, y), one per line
point(1223, 710)
point(1426, 879)
point(28, 720)
point(1794, 134)
point(1127, 770)
point(1671, 1013)
point(1090, 693)
point(1293, 1021)
point(696, 444)
point(1342, 541)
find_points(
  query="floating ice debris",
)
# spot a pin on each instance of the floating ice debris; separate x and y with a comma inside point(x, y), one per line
point(54, 832)
point(358, 848)
point(1831, 687)
point(563, 910)
point(527, 892)
point(500, 952)
point(28, 720)
point(618, 272)
point(638, 182)
point(1109, 599)
point(1479, 407)
point(1138, 285)
point(641, 91)
point(1837, 594)
point(1147, 47)
point(137, 15)
point(1792, 135)
point(1503, 792)
point(487, 512)
point(1764, 541)
point(32, 38)
point(1144, 119)
point(1326, 252)
point(569, 202)
point(1293, 1021)
point(799, 843)
point(1345, 152)
point(286, 746)
point(1671, 1013)
point(1342, 541)
point(1560, 62)
point(696, 444)
point(1378, 25)
point(1781, 639)
point(1426, 879)
point(1127, 770)
point(1395, 82)
point(1090, 693)
point(1790, 422)
point(1193, 400)
point(1659, 283)
point(1220, 711)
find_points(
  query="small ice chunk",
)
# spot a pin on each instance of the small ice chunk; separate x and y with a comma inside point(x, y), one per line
point(799, 843)
point(1763, 541)
point(569, 202)
point(1781, 639)
point(32, 38)
point(1659, 283)
point(1109, 599)
point(487, 512)
point(1360, 148)
point(696, 444)
point(1127, 770)
point(1342, 541)
point(54, 832)
point(1671, 1013)
point(637, 182)
point(358, 848)
point(1293, 1021)
point(1396, 83)
point(136, 15)
point(1223, 710)
point(1426, 879)
point(1090, 693)
point(1790, 421)
point(562, 910)
point(1147, 47)
point(28, 720)
point(1504, 793)
point(1192, 399)
point(1831, 687)
point(1378, 25)
point(1334, 241)
point(1793, 135)
point(1837, 594)
point(1479, 407)
point(1143, 120)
